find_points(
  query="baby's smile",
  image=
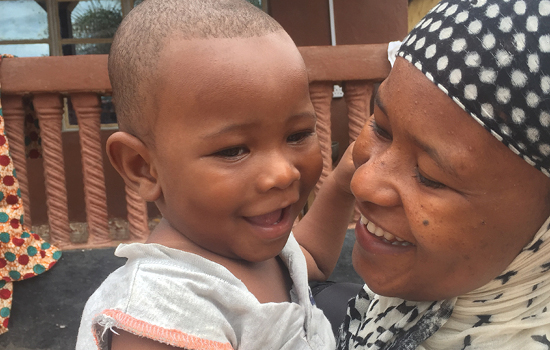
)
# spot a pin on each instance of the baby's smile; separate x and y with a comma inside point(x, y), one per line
point(272, 225)
point(268, 219)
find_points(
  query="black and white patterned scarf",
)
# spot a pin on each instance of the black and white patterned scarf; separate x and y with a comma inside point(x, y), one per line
point(492, 57)
point(512, 312)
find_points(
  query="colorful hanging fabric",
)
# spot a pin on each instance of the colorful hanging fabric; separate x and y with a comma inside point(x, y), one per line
point(23, 254)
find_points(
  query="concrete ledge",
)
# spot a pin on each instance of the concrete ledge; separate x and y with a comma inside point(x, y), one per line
point(46, 309)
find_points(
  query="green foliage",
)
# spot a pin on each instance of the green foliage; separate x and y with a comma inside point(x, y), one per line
point(257, 3)
point(100, 20)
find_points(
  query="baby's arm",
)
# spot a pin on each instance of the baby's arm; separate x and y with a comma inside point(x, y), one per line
point(322, 231)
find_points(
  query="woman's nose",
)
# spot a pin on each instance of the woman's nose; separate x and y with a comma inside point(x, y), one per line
point(376, 173)
point(278, 172)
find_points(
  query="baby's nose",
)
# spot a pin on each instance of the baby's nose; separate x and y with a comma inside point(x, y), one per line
point(279, 172)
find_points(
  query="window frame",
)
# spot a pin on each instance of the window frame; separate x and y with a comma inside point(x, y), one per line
point(55, 43)
point(54, 39)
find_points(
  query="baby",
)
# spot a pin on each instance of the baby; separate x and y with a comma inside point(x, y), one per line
point(217, 128)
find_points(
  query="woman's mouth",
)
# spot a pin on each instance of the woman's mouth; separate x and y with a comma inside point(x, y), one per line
point(383, 235)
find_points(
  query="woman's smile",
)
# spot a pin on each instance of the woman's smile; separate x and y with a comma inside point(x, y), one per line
point(382, 234)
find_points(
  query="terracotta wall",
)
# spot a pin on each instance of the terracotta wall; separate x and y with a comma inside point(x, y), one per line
point(306, 21)
point(73, 170)
point(369, 21)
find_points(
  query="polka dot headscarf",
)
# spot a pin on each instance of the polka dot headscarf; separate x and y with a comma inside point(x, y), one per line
point(492, 57)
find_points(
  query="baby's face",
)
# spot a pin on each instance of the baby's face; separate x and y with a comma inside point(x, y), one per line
point(454, 204)
point(235, 145)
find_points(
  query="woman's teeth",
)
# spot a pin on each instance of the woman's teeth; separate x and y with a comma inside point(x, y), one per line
point(384, 235)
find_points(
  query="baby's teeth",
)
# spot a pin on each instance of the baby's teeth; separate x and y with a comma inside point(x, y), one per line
point(364, 220)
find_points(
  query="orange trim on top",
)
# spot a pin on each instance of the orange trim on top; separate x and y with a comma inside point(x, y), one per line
point(168, 336)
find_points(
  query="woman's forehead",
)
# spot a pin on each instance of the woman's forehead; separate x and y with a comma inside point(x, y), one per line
point(421, 116)
point(493, 59)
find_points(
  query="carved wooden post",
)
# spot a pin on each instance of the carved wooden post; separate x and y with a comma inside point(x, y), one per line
point(138, 222)
point(358, 95)
point(88, 112)
point(321, 97)
point(49, 110)
point(14, 122)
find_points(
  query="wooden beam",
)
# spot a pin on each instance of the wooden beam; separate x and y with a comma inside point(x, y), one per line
point(63, 74)
point(347, 62)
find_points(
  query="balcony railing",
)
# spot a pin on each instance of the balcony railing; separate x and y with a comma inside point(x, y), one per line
point(84, 79)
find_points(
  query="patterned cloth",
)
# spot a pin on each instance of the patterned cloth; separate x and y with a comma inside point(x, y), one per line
point(492, 57)
point(509, 313)
point(33, 142)
point(23, 254)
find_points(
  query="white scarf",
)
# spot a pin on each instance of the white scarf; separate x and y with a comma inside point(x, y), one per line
point(511, 312)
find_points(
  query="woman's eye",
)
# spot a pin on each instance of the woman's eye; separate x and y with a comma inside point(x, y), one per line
point(427, 182)
point(379, 131)
point(299, 136)
point(232, 152)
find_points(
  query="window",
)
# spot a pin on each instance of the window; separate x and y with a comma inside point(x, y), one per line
point(59, 27)
point(64, 27)
point(30, 28)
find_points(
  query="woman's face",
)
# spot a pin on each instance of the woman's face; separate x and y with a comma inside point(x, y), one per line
point(446, 207)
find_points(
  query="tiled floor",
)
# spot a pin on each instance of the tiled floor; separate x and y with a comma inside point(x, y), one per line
point(46, 309)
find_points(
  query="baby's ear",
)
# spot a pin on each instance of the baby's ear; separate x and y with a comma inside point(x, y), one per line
point(132, 159)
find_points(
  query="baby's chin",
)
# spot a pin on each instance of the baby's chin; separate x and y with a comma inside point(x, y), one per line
point(260, 253)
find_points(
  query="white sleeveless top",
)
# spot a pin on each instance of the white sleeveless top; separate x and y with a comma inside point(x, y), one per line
point(187, 301)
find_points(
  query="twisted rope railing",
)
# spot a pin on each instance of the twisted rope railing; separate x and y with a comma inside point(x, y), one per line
point(50, 113)
point(88, 112)
point(358, 95)
point(137, 215)
point(14, 123)
point(321, 97)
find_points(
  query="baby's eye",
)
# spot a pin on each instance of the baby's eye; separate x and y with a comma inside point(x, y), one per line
point(379, 131)
point(427, 182)
point(233, 152)
point(299, 136)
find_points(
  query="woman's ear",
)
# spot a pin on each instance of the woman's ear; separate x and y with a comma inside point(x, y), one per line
point(132, 159)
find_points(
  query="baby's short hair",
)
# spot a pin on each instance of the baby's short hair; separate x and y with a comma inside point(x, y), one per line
point(143, 33)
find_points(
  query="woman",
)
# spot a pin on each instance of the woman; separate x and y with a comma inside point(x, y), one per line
point(453, 185)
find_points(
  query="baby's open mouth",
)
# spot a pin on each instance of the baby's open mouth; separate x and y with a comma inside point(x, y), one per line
point(269, 219)
point(385, 236)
